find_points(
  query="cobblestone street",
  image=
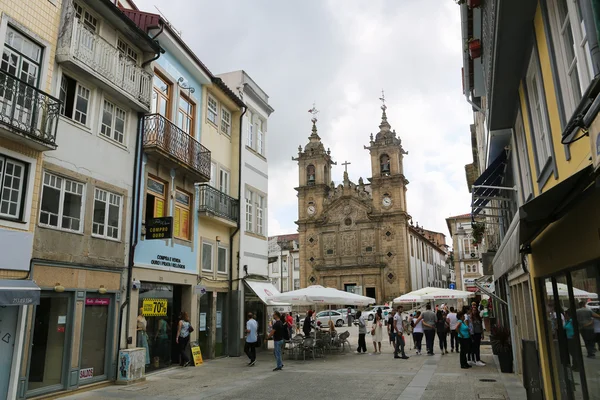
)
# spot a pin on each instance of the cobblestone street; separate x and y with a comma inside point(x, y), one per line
point(339, 376)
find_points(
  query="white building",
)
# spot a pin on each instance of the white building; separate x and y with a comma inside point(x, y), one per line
point(467, 255)
point(427, 259)
point(284, 262)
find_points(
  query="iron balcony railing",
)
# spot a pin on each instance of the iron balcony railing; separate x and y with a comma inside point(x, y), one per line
point(112, 64)
point(161, 133)
point(28, 110)
point(218, 203)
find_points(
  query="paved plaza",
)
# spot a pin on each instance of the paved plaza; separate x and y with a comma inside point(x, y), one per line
point(341, 375)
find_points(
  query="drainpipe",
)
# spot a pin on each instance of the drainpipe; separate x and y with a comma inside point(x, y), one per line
point(133, 232)
point(230, 311)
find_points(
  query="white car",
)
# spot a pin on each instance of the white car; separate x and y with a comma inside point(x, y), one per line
point(370, 314)
point(324, 316)
point(593, 305)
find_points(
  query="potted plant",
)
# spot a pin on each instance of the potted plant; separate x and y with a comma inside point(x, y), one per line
point(474, 48)
point(502, 347)
point(478, 231)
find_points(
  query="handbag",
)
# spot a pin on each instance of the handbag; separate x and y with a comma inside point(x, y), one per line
point(191, 329)
point(373, 331)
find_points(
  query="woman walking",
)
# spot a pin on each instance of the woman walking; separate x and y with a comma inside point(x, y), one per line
point(377, 330)
point(462, 329)
point(418, 332)
point(183, 338)
point(441, 326)
point(362, 332)
point(476, 326)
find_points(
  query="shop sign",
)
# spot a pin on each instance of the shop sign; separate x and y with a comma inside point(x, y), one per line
point(154, 307)
point(196, 354)
point(86, 373)
point(97, 301)
point(199, 289)
point(166, 261)
point(159, 228)
point(202, 321)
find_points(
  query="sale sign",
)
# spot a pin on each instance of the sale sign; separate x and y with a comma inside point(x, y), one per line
point(154, 307)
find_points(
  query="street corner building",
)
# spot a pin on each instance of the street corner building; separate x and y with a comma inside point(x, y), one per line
point(354, 237)
point(534, 182)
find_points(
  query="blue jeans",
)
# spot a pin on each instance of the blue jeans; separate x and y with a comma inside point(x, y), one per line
point(277, 351)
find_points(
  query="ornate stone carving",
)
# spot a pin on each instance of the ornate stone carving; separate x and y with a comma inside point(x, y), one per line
point(388, 233)
point(349, 244)
point(330, 282)
point(369, 280)
point(312, 240)
point(367, 240)
point(329, 244)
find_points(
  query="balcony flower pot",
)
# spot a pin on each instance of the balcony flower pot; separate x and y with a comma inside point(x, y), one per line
point(505, 359)
point(474, 48)
point(473, 3)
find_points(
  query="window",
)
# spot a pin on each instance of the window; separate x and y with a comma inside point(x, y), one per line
point(524, 170)
point(156, 198)
point(113, 122)
point(225, 121)
point(285, 285)
point(62, 201)
point(310, 175)
point(260, 215)
point(213, 174)
point(538, 111)
point(249, 211)
point(75, 100)
point(412, 247)
point(296, 264)
point(275, 267)
point(84, 17)
point(207, 256)
point(185, 115)
point(224, 181)
point(107, 214)
point(284, 267)
point(21, 57)
point(222, 260)
point(572, 51)
point(385, 164)
point(181, 220)
point(127, 51)
point(161, 90)
point(250, 136)
point(212, 111)
point(12, 187)
point(296, 284)
point(259, 143)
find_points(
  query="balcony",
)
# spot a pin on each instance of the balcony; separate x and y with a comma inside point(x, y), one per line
point(29, 115)
point(216, 203)
point(103, 60)
point(164, 137)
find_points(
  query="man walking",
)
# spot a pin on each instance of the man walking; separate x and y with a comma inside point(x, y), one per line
point(390, 325)
point(398, 327)
point(429, 328)
point(277, 335)
point(453, 321)
point(362, 331)
point(251, 339)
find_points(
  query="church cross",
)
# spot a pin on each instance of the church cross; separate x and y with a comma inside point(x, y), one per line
point(382, 98)
point(314, 113)
point(345, 164)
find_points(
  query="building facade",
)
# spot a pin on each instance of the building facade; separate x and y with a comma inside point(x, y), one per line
point(354, 237)
point(535, 100)
point(284, 262)
point(467, 254)
point(28, 128)
point(427, 258)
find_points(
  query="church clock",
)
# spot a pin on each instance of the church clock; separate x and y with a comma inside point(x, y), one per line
point(386, 201)
point(311, 210)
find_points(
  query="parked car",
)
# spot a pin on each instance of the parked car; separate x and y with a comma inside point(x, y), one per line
point(370, 314)
point(593, 305)
point(344, 312)
point(324, 316)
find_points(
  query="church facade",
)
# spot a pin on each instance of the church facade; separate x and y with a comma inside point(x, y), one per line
point(354, 236)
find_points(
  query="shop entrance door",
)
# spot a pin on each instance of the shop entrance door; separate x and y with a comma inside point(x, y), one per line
point(96, 341)
point(48, 354)
point(8, 317)
point(175, 356)
point(220, 320)
point(157, 312)
point(204, 326)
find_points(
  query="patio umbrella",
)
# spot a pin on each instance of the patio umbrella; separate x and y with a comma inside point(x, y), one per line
point(416, 296)
point(317, 294)
point(449, 294)
point(563, 291)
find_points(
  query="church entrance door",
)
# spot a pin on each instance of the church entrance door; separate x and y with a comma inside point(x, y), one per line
point(370, 292)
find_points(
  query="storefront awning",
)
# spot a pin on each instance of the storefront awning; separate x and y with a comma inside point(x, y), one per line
point(508, 256)
point(489, 184)
point(550, 206)
point(264, 290)
point(19, 292)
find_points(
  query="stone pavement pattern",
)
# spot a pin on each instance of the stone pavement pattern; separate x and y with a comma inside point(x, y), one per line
point(339, 376)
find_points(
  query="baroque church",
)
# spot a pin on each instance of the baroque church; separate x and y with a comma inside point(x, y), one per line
point(354, 236)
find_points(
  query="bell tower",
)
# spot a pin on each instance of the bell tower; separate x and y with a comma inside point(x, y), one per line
point(387, 172)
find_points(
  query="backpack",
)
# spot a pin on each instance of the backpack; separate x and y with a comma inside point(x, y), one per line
point(286, 331)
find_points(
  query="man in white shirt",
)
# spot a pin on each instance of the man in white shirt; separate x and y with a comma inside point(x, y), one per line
point(453, 322)
point(251, 339)
point(399, 329)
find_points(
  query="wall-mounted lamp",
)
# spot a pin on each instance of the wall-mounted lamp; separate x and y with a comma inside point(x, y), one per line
point(58, 288)
point(102, 289)
point(218, 239)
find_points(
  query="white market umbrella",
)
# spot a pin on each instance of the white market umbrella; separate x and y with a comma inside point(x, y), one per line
point(563, 291)
point(416, 296)
point(447, 294)
point(317, 294)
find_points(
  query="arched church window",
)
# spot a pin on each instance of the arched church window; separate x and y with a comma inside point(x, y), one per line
point(385, 164)
point(310, 174)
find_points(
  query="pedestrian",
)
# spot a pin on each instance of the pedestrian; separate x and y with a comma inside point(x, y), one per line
point(183, 338)
point(399, 329)
point(298, 330)
point(476, 330)
point(307, 327)
point(441, 327)
point(390, 328)
point(251, 339)
point(377, 330)
point(585, 319)
point(349, 316)
point(452, 322)
point(362, 332)
point(277, 335)
point(290, 324)
point(429, 319)
point(572, 342)
point(464, 337)
point(418, 332)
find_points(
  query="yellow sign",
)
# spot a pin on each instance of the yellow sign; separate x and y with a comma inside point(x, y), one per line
point(154, 308)
point(197, 355)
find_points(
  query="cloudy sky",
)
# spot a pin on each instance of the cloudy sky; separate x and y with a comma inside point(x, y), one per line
point(340, 54)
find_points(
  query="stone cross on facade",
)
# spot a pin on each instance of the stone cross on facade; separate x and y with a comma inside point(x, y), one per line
point(314, 113)
point(345, 164)
point(382, 98)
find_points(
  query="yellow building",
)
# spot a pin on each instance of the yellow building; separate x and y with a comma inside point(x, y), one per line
point(28, 123)
point(532, 69)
